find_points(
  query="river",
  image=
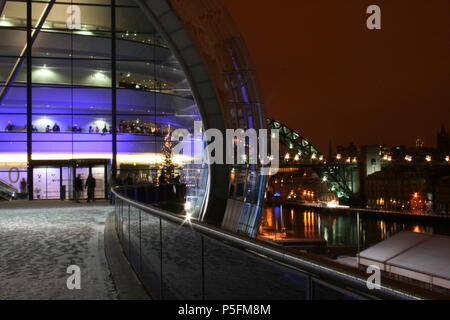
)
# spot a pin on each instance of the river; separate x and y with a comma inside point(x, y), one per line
point(340, 227)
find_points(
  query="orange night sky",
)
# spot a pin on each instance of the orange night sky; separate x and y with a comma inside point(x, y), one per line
point(337, 81)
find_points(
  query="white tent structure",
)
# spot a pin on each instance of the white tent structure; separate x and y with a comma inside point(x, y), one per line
point(418, 256)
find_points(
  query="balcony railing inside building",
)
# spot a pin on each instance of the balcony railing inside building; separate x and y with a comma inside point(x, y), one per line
point(84, 30)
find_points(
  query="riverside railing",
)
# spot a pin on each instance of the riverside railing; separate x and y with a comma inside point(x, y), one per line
point(180, 259)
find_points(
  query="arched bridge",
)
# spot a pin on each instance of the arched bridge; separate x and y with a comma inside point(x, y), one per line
point(334, 173)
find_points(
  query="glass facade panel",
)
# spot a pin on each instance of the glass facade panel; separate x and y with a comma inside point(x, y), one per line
point(151, 254)
point(68, 100)
point(13, 153)
point(46, 183)
point(99, 126)
point(135, 238)
point(10, 64)
point(13, 124)
point(14, 14)
point(135, 46)
point(126, 229)
point(90, 73)
point(132, 20)
point(15, 46)
point(59, 44)
point(13, 100)
point(91, 17)
point(249, 276)
point(12, 179)
point(181, 262)
point(136, 74)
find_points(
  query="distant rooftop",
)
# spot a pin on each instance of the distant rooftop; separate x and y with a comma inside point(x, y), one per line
point(418, 256)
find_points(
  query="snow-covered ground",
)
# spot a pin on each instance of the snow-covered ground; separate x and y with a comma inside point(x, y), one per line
point(38, 245)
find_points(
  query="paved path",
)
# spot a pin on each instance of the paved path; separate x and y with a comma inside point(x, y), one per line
point(38, 242)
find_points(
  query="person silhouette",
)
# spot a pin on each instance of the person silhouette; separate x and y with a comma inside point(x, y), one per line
point(56, 128)
point(9, 126)
point(90, 186)
point(78, 188)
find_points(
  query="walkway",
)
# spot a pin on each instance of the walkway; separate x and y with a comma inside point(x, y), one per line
point(40, 239)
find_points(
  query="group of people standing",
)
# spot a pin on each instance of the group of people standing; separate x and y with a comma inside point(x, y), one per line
point(89, 185)
point(133, 126)
point(55, 128)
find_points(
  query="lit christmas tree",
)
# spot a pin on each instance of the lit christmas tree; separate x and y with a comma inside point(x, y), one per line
point(167, 163)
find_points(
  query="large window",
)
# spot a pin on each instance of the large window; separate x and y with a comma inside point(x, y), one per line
point(101, 89)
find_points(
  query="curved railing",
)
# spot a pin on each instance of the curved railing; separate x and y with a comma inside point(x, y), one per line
point(180, 259)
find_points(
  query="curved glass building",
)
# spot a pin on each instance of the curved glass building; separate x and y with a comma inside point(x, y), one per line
point(97, 86)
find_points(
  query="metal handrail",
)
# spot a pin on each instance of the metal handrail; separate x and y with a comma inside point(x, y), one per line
point(279, 255)
point(6, 186)
point(7, 192)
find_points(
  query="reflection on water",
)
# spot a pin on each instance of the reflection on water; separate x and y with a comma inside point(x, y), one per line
point(339, 228)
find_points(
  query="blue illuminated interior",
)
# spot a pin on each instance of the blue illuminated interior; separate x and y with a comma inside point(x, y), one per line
point(71, 107)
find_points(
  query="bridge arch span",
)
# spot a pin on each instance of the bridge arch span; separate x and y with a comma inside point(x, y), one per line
point(331, 172)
